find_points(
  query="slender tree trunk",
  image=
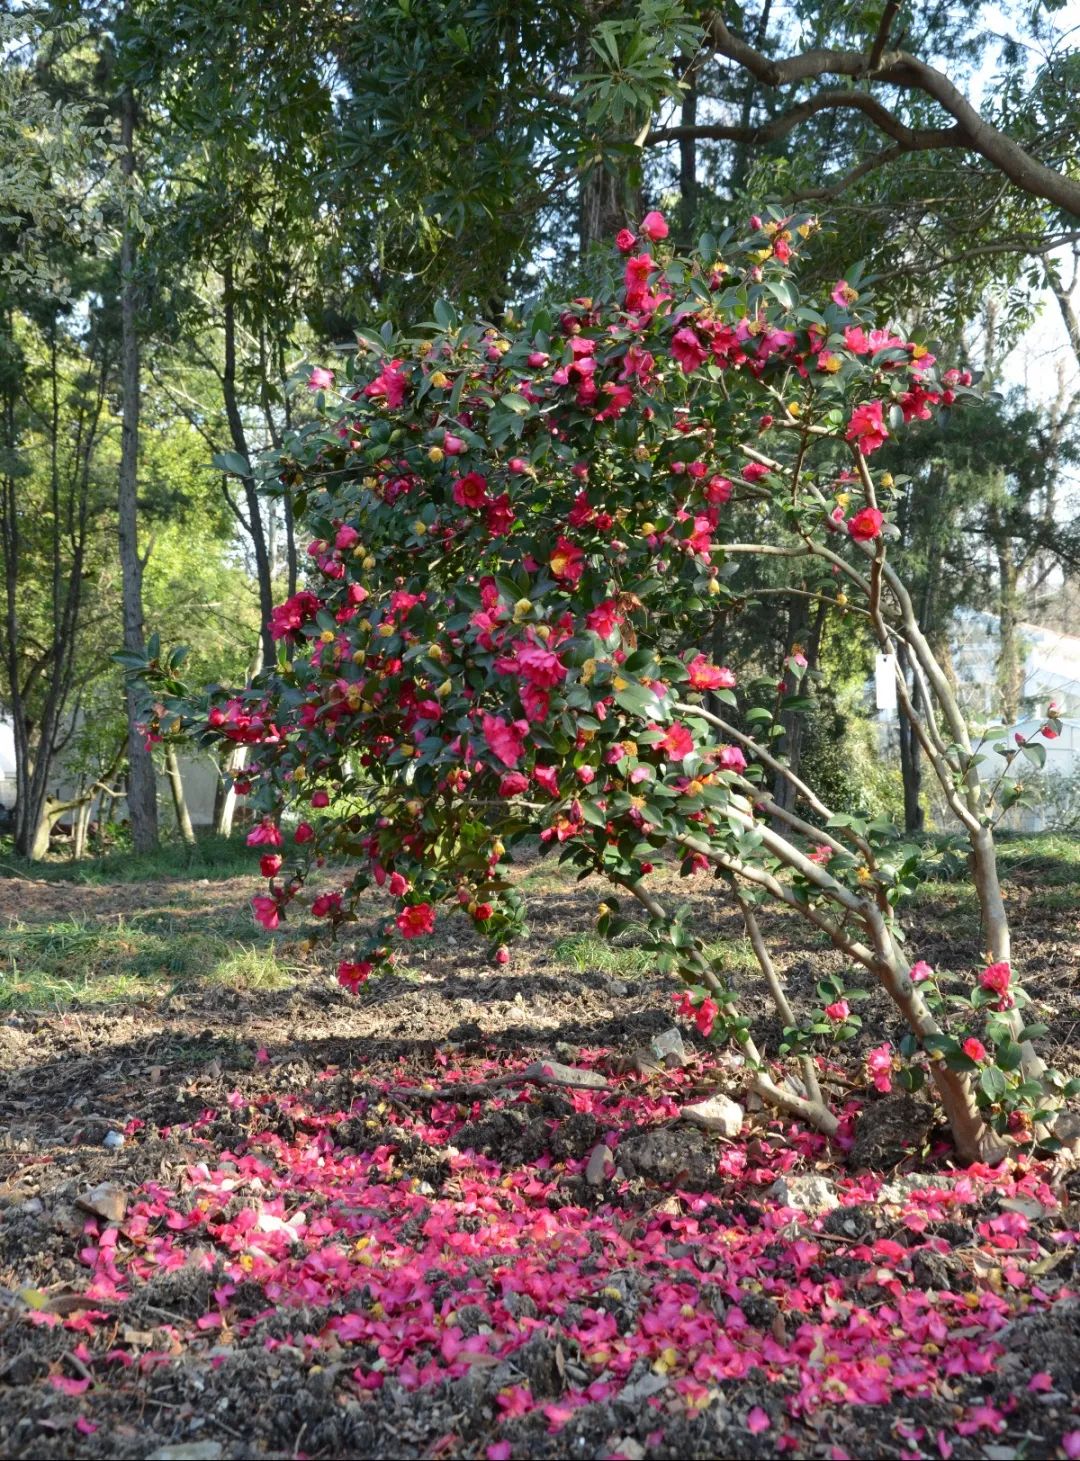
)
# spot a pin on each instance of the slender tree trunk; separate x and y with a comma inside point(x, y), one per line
point(82, 827)
point(910, 764)
point(176, 786)
point(142, 782)
point(256, 529)
point(688, 187)
point(1009, 669)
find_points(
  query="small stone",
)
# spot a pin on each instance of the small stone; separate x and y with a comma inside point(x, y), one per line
point(188, 1451)
point(105, 1201)
point(899, 1189)
point(565, 1051)
point(668, 1048)
point(617, 988)
point(807, 1192)
point(114, 1140)
point(601, 1164)
point(570, 1075)
point(716, 1113)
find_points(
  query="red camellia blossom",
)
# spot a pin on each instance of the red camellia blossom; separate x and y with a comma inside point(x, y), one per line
point(416, 920)
point(995, 978)
point(838, 1011)
point(289, 618)
point(974, 1049)
point(320, 799)
point(270, 864)
point(352, 974)
point(921, 971)
point(320, 379)
point(513, 784)
point(688, 349)
point(326, 905)
point(867, 427)
point(567, 561)
point(678, 743)
point(705, 1016)
point(654, 226)
point(866, 525)
point(625, 241)
point(470, 490)
point(266, 911)
point(304, 833)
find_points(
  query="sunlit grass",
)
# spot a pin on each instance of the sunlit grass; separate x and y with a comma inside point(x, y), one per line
point(587, 952)
point(67, 961)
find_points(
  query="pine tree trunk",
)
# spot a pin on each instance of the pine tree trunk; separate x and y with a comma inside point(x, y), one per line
point(142, 782)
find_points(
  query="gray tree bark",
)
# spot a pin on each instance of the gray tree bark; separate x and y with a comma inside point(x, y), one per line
point(142, 782)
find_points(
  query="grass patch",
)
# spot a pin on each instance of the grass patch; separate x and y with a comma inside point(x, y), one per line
point(53, 965)
point(211, 857)
point(586, 952)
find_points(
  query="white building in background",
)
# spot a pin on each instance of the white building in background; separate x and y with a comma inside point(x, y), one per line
point(1051, 673)
point(198, 771)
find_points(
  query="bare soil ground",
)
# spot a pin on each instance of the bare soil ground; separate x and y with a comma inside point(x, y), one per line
point(161, 1296)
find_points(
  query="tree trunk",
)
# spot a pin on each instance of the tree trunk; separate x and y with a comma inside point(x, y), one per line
point(1010, 671)
point(81, 831)
point(254, 523)
point(910, 764)
point(142, 782)
point(225, 796)
point(688, 188)
point(176, 786)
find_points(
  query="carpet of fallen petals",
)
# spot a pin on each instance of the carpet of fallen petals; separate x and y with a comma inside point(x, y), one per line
point(352, 1231)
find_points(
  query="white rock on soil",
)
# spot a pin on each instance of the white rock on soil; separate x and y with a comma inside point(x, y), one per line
point(807, 1192)
point(716, 1113)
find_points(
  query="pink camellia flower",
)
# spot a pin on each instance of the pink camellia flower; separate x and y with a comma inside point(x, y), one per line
point(352, 974)
point(996, 977)
point(390, 384)
point(326, 905)
point(921, 971)
point(502, 954)
point(707, 676)
point(604, 619)
point(625, 241)
point(678, 743)
point(843, 294)
point(821, 854)
point(513, 784)
point(266, 911)
point(688, 350)
point(730, 758)
point(757, 1420)
point(304, 833)
point(264, 834)
point(346, 537)
point(1070, 1444)
point(548, 778)
point(718, 490)
point(270, 864)
point(654, 226)
point(416, 920)
point(320, 379)
point(453, 445)
point(866, 525)
point(1049, 733)
point(398, 886)
point(320, 799)
point(754, 471)
point(838, 1011)
point(879, 1066)
point(974, 1049)
point(505, 740)
point(867, 427)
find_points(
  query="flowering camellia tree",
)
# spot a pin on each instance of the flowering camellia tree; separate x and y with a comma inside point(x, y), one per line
point(521, 538)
